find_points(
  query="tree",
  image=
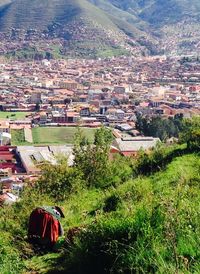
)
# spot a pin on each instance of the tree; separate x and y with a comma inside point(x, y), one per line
point(58, 181)
point(93, 159)
point(158, 127)
point(37, 107)
point(190, 133)
point(142, 123)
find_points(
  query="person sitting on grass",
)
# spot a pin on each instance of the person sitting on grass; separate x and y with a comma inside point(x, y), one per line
point(44, 226)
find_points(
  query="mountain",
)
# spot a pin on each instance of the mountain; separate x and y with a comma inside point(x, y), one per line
point(85, 28)
point(41, 14)
point(175, 22)
point(103, 27)
point(178, 23)
point(159, 12)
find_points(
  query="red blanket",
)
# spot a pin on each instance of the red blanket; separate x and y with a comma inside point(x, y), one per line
point(44, 226)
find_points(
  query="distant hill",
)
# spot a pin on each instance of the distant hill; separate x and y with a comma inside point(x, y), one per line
point(159, 12)
point(85, 26)
point(107, 27)
point(174, 22)
point(41, 14)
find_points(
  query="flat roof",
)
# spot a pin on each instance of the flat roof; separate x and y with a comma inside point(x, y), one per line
point(136, 144)
point(32, 156)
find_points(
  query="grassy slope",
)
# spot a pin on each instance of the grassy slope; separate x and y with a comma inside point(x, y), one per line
point(119, 13)
point(137, 19)
point(40, 14)
point(180, 179)
point(170, 11)
point(33, 15)
point(178, 183)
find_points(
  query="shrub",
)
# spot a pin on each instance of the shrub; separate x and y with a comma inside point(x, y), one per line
point(93, 160)
point(156, 159)
point(112, 203)
point(58, 181)
point(190, 133)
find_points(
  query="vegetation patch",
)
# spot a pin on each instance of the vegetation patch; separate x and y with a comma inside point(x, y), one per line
point(18, 137)
point(13, 115)
point(151, 226)
point(58, 135)
point(128, 218)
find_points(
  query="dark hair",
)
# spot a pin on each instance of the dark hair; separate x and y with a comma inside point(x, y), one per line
point(59, 209)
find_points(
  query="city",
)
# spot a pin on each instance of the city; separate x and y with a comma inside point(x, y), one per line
point(42, 103)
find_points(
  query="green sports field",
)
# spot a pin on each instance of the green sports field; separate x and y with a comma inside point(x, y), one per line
point(58, 135)
point(13, 115)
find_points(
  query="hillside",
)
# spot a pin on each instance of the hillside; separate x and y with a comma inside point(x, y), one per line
point(148, 224)
point(130, 24)
point(158, 12)
point(95, 28)
point(169, 12)
point(176, 22)
point(37, 14)
point(85, 28)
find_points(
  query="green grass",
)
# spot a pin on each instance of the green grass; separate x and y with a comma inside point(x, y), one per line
point(109, 52)
point(154, 229)
point(30, 53)
point(152, 207)
point(56, 51)
point(172, 194)
point(50, 135)
point(13, 115)
point(10, 262)
point(18, 137)
point(58, 135)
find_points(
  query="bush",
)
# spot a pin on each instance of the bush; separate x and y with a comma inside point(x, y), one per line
point(94, 163)
point(112, 203)
point(156, 159)
point(58, 181)
point(159, 127)
point(190, 133)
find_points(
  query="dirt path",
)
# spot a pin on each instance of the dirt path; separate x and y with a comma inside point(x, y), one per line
point(28, 135)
